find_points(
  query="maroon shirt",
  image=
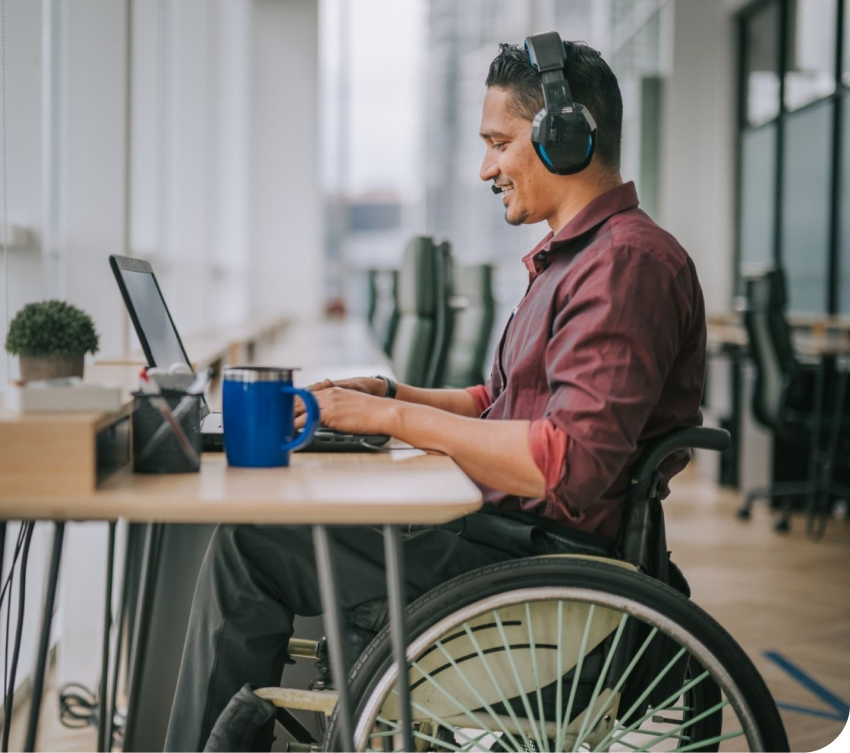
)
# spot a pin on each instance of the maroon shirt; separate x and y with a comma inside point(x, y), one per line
point(605, 351)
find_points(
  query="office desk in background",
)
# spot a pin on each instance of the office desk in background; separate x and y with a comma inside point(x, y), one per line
point(398, 487)
point(754, 458)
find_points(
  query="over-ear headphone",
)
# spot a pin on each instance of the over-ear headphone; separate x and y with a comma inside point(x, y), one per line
point(563, 132)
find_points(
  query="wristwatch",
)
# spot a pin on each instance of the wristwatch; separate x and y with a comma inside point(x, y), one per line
point(392, 387)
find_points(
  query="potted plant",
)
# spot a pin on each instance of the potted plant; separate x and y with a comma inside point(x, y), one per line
point(51, 338)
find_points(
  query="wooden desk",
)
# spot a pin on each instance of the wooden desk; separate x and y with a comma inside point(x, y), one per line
point(396, 487)
point(399, 487)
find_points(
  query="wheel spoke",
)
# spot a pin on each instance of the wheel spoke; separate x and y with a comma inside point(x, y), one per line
point(519, 684)
point(498, 688)
point(486, 706)
point(562, 727)
point(536, 672)
point(585, 728)
point(708, 712)
point(466, 711)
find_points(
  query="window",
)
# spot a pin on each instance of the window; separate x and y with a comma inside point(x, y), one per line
point(758, 176)
point(790, 211)
point(805, 208)
point(810, 52)
point(844, 213)
point(761, 65)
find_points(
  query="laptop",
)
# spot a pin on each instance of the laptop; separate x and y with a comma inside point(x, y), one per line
point(163, 347)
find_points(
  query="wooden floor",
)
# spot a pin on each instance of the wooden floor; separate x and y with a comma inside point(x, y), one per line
point(772, 592)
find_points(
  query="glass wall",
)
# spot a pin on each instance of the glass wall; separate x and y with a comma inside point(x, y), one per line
point(758, 211)
point(792, 189)
point(805, 212)
point(844, 211)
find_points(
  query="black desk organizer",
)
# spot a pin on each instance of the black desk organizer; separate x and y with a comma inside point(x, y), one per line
point(167, 456)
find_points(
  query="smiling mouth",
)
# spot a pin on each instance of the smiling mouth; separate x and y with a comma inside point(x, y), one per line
point(506, 192)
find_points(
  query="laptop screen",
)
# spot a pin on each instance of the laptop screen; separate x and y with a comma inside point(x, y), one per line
point(154, 327)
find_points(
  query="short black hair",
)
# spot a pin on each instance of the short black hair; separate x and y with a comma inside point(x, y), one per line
point(592, 84)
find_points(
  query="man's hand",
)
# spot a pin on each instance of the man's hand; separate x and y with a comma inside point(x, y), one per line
point(366, 385)
point(350, 410)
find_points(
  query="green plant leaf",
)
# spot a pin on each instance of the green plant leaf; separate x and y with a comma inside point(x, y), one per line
point(51, 328)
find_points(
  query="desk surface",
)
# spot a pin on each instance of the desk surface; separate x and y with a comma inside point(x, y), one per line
point(388, 487)
point(401, 486)
point(804, 343)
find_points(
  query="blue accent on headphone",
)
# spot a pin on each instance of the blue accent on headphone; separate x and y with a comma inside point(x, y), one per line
point(589, 146)
point(544, 155)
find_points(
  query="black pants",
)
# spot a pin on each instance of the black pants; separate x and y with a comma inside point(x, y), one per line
point(255, 579)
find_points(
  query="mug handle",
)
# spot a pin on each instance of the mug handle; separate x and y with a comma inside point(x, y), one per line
point(312, 418)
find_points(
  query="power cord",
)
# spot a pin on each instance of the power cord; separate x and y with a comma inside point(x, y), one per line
point(79, 707)
point(23, 544)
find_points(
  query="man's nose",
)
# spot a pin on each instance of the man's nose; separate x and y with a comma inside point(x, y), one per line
point(489, 169)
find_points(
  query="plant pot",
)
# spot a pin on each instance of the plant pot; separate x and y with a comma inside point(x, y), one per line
point(34, 368)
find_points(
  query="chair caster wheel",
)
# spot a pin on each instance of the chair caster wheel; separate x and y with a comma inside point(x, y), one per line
point(743, 513)
point(782, 526)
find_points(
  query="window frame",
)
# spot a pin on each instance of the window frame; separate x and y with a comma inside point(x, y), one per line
point(831, 295)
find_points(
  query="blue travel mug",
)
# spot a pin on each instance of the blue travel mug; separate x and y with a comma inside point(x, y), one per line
point(259, 417)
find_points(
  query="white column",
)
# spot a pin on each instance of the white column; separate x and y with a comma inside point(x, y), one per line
point(698, 144)
point(287, 241)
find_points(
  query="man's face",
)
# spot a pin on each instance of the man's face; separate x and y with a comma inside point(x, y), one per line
point(511, 162)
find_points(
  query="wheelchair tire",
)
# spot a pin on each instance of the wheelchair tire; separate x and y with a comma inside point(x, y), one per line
point(442, 614)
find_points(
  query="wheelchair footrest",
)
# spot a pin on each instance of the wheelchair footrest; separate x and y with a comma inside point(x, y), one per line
point(303, 700)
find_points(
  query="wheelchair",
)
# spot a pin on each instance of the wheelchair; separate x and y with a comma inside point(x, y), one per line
point(558, 652)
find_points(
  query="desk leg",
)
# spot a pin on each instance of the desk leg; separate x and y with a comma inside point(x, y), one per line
point(44, 640)
point(333, 630)
point(103, 718)
point(814, 450)
point(817, 514)
point(150, 564)
point(123, 614)
point(398, 632)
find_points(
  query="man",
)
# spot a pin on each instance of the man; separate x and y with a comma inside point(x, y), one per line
point(605, 351)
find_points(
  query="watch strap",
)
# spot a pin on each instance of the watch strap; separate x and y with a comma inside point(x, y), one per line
point(392, 387)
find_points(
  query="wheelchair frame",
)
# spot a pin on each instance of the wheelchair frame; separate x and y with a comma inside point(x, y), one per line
point(641, 547)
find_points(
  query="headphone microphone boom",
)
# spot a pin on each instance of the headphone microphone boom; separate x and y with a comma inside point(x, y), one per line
point(496, 189)
point(563, 133)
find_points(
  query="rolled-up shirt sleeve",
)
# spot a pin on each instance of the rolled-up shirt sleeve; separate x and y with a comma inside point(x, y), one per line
point(613, 345)
point(482, 395)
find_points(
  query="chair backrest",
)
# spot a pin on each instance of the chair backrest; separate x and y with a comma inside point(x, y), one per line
point(417, 302)
point(473, 307)
point(771, 347)
point(642, 541)
point(383, 305)
point(443, 319)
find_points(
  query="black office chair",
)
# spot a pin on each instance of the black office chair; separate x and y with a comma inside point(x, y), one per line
point(443, 315)
point(473, 307)
point(417, 303)
point(785, 401)
point(382, 314)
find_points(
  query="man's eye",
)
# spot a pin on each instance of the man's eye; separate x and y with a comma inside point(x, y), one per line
point(498, 144)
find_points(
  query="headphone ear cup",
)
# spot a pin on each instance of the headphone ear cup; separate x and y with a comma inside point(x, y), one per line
point(565, 141)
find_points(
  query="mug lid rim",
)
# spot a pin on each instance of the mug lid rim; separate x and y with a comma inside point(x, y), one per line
point(257, 373)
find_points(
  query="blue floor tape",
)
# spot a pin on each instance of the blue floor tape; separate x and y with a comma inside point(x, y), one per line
point(841, 708)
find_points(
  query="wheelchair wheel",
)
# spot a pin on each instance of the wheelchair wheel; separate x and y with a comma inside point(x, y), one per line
point(563, 653)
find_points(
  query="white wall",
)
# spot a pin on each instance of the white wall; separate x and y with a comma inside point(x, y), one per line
point(698, 144)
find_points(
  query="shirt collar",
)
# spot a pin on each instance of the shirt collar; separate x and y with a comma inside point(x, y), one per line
point(599, 210)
